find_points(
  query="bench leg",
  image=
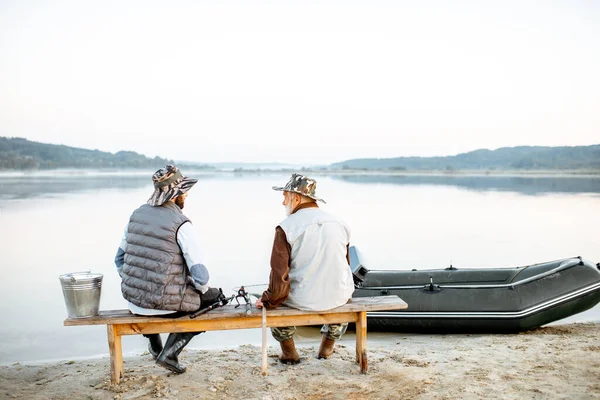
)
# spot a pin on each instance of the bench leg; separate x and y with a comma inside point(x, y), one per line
point(116, 354)
point(361, 341)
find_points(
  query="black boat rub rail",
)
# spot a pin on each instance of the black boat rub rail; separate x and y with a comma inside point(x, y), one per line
point(495, 314)
point(567, 265)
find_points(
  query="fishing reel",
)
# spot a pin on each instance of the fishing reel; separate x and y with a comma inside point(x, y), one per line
point(241, 293)
point(221, 300)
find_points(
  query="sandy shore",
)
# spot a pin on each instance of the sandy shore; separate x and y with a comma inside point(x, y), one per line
point(557, 362)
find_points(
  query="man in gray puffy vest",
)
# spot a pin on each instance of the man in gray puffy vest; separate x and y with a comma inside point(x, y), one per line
point(310, 266)
point(161, 263)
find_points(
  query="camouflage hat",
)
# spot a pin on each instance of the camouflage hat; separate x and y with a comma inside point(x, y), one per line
point(302, 185)
point(168, 184)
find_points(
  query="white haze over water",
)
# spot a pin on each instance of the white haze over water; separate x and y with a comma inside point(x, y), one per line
point(300, 81)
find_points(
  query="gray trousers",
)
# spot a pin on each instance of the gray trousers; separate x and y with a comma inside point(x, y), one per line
point(332, 331)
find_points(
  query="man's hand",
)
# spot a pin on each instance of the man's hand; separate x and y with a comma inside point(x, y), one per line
point(259, 303)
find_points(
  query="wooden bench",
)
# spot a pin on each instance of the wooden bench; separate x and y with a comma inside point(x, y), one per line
point(123, 322)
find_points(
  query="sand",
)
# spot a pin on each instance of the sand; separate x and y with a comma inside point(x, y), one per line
point(557, 362)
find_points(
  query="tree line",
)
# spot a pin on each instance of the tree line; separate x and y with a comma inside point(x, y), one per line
point(23, 154)
point(505, 158)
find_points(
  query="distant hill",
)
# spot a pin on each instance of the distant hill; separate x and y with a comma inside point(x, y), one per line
point(22, 154)
point(505, 158)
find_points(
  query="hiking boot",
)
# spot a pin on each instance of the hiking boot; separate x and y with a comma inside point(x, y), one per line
point(155, 345)
point(289, 354)
point(175, 343)
point(326, 348)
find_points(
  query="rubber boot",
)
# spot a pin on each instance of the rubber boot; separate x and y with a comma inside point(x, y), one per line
point(175, 343)
point(326, 348)
point(155, 346)
point(289, 354)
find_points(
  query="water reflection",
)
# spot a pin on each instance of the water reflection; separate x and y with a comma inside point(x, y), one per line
point(16, 187)
point(24, 186)
point(519, 184)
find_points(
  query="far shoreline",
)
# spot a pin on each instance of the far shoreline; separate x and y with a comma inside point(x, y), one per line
point(77, 172)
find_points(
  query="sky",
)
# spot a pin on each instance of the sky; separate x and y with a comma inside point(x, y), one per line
point(311, 82)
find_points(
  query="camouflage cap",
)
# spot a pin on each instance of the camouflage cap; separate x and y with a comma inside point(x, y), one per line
point(302, 185)
point(168, 184)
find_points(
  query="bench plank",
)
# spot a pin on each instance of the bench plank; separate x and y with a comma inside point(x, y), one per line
point(243, 322)
point(381, 303)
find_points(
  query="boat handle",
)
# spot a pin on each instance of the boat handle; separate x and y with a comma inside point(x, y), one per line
point(431, 287)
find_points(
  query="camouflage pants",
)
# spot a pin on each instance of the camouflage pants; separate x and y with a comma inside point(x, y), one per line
point(332, 331)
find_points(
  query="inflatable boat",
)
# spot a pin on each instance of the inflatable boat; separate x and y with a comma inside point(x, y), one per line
point(479, 299)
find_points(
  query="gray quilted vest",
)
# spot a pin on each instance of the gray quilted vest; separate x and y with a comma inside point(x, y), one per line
point(155, 274)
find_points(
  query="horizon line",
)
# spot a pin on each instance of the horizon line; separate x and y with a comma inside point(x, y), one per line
point(302, 164)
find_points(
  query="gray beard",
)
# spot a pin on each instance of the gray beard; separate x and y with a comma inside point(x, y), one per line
point(288, 209)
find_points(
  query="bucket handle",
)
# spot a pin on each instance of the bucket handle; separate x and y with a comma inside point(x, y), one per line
point(73, 280)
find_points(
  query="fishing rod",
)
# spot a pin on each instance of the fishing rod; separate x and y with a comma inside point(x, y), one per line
point(241, 293)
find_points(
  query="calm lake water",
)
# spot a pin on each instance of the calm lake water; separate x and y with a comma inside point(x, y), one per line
point(60, 222)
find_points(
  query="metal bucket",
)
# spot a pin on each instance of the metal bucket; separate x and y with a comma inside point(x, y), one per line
point(82, 293)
